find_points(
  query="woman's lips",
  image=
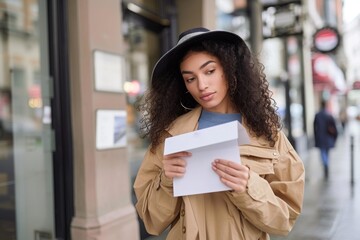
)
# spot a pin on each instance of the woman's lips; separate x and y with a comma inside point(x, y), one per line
point(207, 96)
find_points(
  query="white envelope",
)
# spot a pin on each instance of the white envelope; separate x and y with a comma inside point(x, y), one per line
point(206, 145)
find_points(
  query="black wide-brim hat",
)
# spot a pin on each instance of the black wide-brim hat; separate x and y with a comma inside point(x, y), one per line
point(170, 60)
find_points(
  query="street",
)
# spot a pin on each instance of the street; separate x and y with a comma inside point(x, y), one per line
point(331, 208)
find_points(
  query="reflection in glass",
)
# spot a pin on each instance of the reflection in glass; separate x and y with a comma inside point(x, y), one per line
point(26, 197)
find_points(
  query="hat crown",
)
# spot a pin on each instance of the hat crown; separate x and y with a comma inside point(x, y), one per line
point(191, 33)
point(169, 61)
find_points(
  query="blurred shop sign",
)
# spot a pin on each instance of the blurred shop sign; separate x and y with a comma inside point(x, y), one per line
point(356, 85)
point(282, 19)
point(34, 91)
point(326, 39)
point(132, 88)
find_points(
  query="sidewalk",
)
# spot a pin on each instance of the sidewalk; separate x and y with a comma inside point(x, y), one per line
point(331, 209)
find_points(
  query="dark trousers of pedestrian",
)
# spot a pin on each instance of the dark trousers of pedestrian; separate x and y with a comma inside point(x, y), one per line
point(325, 160)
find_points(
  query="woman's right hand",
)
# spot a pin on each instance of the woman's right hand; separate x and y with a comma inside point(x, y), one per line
point(174, 164)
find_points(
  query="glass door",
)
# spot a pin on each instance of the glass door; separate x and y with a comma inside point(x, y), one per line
point(26, 164)
point(149, 29)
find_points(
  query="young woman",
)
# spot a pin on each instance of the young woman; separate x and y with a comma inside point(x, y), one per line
point(209, 78)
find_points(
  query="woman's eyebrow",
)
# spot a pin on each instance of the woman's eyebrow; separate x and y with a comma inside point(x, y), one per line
point(201, 67)
point(205, 64)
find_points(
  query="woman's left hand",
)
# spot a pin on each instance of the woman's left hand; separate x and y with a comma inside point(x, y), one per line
point(232, 174)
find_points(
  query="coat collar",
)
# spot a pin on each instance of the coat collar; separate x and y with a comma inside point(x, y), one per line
point(187, 122)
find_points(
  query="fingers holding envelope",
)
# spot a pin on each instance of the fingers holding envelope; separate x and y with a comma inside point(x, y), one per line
point(174, 164)
point(232, 174)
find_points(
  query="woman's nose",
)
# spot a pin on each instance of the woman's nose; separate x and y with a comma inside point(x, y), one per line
point(202, 83)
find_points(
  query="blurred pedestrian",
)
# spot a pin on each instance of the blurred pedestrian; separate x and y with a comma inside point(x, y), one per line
point(326, 133)
point(210, 78)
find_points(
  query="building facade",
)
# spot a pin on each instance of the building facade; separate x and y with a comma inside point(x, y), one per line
point(70, 74)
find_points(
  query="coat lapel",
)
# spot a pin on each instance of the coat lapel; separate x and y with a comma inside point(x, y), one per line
point(185, 123)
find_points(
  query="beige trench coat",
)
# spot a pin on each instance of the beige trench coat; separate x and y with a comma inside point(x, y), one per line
point(271, 204)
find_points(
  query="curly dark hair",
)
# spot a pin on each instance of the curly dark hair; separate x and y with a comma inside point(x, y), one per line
point(248, 90)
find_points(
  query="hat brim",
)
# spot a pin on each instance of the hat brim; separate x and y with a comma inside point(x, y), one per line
point(167, 61)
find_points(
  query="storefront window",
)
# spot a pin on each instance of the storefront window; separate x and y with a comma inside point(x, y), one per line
point(143, 50)
point(26, 172)
point(143, 30)
point(146, 30)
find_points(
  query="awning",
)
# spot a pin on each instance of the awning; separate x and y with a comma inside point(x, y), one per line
point(327, 74)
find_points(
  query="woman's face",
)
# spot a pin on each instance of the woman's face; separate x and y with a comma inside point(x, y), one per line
point(205, 80)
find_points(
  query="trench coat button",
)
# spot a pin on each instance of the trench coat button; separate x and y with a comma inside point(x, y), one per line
point(184, 229)
point(182, 212)
point(274, 153)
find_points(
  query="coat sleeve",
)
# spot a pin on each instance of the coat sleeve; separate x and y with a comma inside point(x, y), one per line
point(273, 201)
point(156, 205)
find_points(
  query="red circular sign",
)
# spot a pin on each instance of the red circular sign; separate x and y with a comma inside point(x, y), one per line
point(326, 39)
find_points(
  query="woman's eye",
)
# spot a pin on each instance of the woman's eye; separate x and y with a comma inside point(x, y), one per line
point(210, 71)
point(190, 79)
